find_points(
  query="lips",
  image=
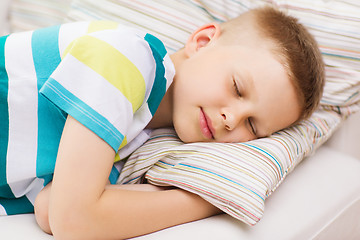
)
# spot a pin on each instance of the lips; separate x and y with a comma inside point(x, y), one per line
point(205, 125)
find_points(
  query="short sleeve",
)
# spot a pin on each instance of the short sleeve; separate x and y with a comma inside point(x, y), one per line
point(103, 79)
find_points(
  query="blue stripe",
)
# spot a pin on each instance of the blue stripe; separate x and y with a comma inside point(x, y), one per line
point(114, 175)
point(132, 179)
point(341, 56)
point(46, 57)
point(156, 45)
point(213, 173)
point(261, 150)
point(17, 205)
point(5, 190)
point(159, 87)
point(82, 113)
point(45, 49)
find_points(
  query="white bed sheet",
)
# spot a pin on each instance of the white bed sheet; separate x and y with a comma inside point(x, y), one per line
point(314, 202)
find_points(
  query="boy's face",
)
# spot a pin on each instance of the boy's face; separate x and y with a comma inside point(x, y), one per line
point(232, 94)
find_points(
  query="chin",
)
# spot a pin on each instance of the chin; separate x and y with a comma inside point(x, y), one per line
point(186, 138)
point(186, 134)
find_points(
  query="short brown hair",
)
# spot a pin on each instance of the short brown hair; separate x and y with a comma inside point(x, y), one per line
point(298, 52)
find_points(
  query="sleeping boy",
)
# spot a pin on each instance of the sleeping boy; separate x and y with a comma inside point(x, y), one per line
point(83, 94)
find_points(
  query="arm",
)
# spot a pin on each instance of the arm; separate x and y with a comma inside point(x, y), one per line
point(82, 207)
point(41, 205)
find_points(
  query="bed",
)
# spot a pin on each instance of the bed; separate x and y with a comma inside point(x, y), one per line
point(306, 206)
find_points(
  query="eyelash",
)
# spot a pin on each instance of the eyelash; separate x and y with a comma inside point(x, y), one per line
point(252, 126)
point(238, 93)
point(236, 89)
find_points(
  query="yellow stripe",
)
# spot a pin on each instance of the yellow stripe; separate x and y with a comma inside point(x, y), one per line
point(111, 65)
point(95, 26)
point(117, 158)
point(101, 25)
point(124, 142)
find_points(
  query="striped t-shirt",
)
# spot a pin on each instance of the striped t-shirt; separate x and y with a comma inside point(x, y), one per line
point(109, 77)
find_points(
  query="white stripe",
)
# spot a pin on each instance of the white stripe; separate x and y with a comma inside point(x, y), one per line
point(69, 32)
point(141, 118)
point(2, 211)
point(169, 70)
point(137, 142)
point(95, 91)
point(23, 98)
point(34, 189)
point(134, 48)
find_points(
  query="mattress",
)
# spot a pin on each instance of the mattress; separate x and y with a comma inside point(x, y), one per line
point(319, 200)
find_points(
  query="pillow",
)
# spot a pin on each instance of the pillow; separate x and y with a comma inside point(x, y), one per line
point(238, 178)
point(4, 17)
point(172, 21)
point(29, 15)
point(335, 25)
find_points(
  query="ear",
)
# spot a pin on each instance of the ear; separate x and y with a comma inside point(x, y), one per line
point(202, 37)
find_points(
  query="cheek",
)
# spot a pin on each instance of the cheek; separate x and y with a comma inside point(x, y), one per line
point(184, 129)
point(200, 75)
point(238, 135)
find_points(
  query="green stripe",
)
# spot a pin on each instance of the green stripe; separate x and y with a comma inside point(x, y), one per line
point(46, 57)
point(17, 205)
point(159, 87)
point(5, 190)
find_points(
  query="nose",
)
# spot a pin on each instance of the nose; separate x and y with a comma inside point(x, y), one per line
point(233, 118)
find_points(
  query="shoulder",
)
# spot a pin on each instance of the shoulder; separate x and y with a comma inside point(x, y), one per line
point(126, 40)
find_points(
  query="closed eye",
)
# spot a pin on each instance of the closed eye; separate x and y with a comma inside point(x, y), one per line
point(236, 87)
point(251, 124)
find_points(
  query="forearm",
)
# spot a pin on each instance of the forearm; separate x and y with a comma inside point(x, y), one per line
point(122, 213)
point(144, 212)
point(41, 204)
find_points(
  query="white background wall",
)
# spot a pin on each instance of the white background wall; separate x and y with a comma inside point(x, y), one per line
point(347, 137)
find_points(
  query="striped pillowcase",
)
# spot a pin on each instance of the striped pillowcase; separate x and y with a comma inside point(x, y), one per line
point(336, 27)
point(172, 21)
point(29, 14)
point(238, 178)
